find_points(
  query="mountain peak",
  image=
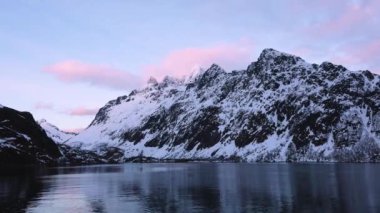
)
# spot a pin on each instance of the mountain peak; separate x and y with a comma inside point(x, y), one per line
point(42, 121)
point(54, 132)
point(169, 80)
point(271, 58)
point(152, 81)
point(270, 53)
point(196, 71)
point(215, 67)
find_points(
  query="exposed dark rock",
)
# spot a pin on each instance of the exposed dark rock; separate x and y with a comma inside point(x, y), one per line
point(256, 130)
point(23, 141)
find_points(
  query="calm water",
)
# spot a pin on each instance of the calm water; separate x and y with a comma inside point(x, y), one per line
point(193, 187)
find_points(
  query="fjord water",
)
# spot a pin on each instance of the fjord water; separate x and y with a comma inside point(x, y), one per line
point(193, 187)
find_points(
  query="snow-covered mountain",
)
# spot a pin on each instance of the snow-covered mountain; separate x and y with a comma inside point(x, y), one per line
point(24, 142)
point(75, 155)
point(280, 108)
point(55, 133)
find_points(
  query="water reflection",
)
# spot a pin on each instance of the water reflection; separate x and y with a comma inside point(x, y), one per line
point(194, 187)
point(18, 187)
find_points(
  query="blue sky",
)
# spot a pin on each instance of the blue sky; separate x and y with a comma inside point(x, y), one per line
point(62, 60)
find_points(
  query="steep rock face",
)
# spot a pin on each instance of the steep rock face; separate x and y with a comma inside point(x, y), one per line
point(23, 141)
point(280, 109)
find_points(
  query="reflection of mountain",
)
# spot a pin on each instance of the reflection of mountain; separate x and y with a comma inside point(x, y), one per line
point(19, 187)
point(195, 188)
point(359, 187)
point(298, 188)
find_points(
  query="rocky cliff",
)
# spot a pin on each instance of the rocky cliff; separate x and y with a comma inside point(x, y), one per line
point(281, 108)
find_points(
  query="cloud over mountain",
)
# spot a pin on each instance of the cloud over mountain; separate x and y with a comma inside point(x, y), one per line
point(94, 74)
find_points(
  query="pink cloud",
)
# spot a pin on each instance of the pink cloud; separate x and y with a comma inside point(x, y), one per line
point(177, 63)
point(359, 52)
point(353, 17)
point(82, 111)
point(43, 105)
point(101, 75)
point(180, 63)
point(369, 52)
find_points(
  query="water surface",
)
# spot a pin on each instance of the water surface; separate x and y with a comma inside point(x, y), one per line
point(193, 187)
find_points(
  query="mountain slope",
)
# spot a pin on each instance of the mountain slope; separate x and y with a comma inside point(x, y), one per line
point(23, 141)
point(56, 134)
point(280, 108)
point(74, 155)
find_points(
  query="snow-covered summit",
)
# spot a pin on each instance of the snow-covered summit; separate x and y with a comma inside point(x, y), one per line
point(54, 132)
point(196, 71)
point(270, 53)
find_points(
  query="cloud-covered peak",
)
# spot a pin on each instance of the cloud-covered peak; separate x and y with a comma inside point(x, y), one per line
point(195, 73)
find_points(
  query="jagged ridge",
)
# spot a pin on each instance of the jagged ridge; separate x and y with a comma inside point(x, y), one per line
point(280, 108)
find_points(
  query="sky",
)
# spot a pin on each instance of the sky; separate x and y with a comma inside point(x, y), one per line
point(63, 60)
